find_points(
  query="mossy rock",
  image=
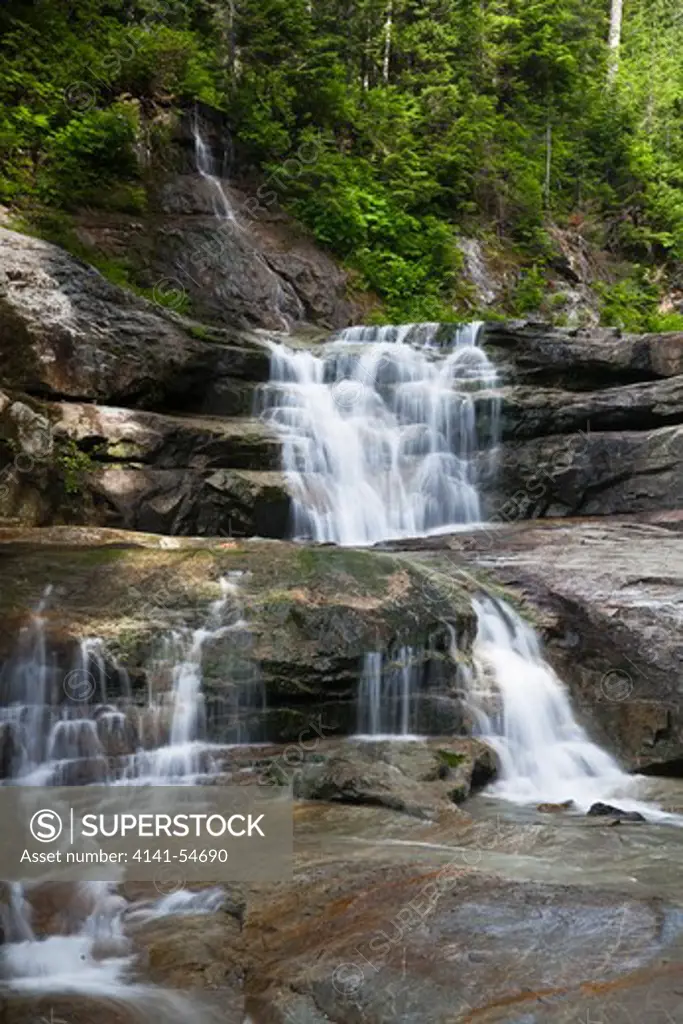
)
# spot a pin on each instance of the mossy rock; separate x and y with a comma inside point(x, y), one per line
point(312, 613)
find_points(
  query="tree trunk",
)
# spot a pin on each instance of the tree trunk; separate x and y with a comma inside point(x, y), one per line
point(548, 161)
point(387, 41)
point(614, 42)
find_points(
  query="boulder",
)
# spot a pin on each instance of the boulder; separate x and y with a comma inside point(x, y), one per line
point(66, 332)
point(600, 810)
point(420, 779)
point(187, 501)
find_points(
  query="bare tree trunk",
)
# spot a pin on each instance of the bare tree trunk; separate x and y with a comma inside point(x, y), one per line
point(614, 42)
point(548, 161)
point(387, 40)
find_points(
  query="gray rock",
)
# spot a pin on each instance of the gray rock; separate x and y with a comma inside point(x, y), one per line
point(118, 435)
point(257, 269)
point(66, 332)
point(187, 501)
point(600, 810)
point(530, 412)
point(584, 474)
point(421, 779)
point(581, 359)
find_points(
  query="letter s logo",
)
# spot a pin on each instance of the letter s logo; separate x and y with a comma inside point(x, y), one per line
point(46, 826)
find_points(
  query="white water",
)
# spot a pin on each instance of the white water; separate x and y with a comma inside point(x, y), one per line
point(379, 432)
point(222, 207)
point(56, 727)
point(387, 695)
point(524, 712)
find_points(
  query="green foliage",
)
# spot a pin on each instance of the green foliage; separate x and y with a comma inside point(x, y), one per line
point(74, 464)
point(634, 305)
point(74, 80)
point(529, 292)
point(385, 136)
point(90, 155)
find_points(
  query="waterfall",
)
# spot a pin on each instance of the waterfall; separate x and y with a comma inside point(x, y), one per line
point(78, 724)
point(222, 207)
point(238, 234)
point(83, 725)
point(387, 694)
point(524, 712)
point(379, 432)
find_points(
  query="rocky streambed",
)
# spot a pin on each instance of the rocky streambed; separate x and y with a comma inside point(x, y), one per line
point(412, 898)
point(138, 482)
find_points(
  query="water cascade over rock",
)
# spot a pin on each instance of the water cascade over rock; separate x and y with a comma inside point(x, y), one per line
point(65, 725)
point(524, 711)
point(379, 431)
point(79, 724)
point(387, 694)
point(284, 302)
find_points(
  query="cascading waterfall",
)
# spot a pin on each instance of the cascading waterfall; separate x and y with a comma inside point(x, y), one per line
point(379, 433)
point(524, 711)
point(62, 727)
point(388, 693)
point(83, 725)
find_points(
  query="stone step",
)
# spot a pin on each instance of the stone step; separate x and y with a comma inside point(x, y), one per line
point(166, 441)
point(529, 412)
point(222, 502)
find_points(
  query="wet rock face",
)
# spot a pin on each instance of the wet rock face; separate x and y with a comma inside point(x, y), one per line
point(66, 333)
point(437, 941)
point(257, 269)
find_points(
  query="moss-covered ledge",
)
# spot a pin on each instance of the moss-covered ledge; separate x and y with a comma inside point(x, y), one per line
point(313, 612)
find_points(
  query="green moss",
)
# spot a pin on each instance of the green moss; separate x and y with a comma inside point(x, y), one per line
point(73, 464)
point(201, 332)
point(451, 759)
